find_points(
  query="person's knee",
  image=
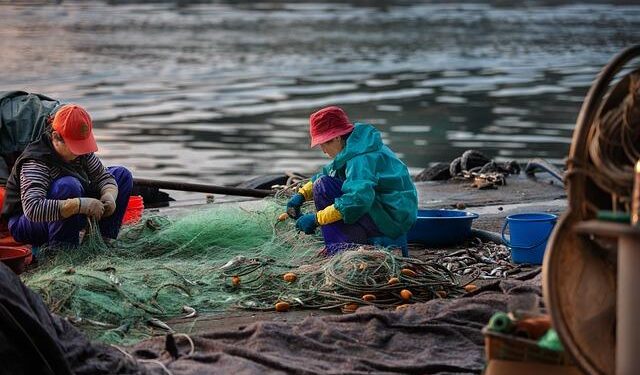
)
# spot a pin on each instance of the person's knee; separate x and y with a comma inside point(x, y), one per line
point(23, 231)
point(13, 226)
point(66, 187)
point(325, 190)
point(123, 177)
point(321, 184)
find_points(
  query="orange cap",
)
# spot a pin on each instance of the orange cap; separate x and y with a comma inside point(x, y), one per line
point(76, 128)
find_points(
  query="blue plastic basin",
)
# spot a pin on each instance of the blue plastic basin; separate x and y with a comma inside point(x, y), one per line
point(439, 228)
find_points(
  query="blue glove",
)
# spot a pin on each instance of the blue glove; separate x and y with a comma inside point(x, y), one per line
point(307, 223)
point(293, 206)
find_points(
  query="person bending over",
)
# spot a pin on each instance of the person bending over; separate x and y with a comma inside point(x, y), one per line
point(58, 182)
point(365, 195)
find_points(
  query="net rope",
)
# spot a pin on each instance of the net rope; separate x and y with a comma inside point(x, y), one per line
point(213, 260)
point(613, 148)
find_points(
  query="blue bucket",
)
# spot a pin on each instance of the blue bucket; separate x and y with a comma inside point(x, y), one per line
point(529, 235)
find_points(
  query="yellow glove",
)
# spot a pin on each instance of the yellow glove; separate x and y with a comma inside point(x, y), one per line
point(307, 191)
point(328, 215)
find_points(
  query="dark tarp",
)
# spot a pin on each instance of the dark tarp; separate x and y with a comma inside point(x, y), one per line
point(438, 337)
point(22, 120)
point(4, 172)
point(33, 341)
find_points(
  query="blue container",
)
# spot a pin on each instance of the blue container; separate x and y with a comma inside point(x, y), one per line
point(529, 235)
point(439, 228)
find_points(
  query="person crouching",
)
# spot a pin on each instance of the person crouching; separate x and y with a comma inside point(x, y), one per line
point(364, 196)
point(58, 182)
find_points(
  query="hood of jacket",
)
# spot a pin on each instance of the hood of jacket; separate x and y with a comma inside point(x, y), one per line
point(364, 139)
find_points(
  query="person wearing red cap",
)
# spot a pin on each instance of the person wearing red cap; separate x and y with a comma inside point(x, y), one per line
point(58, 182)
point(365, 195)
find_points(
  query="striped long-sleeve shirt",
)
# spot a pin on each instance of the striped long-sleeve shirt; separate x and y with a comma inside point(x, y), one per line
point(36, 178)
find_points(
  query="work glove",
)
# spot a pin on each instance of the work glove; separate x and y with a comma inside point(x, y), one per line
point(91, 207)
point(109, 202)
point(307, 223)
point(294, 204)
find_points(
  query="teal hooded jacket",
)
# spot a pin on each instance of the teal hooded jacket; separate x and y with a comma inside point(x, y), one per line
point(375, 182)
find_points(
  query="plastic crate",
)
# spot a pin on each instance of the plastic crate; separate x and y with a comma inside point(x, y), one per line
point(514, 348)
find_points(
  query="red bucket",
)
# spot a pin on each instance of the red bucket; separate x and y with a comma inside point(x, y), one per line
point(3, 224)
point(15, 257)
point(134, 210)
point(7, 241)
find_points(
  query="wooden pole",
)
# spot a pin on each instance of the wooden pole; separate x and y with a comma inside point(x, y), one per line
point(202, 188)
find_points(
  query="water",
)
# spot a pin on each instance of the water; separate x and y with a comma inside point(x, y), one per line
point(218, 93)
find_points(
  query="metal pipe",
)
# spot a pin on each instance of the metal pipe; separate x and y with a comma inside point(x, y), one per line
point(202, 188)
point(486, 235)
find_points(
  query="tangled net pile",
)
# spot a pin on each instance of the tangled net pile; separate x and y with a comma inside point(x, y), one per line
point(343, 280)
point(222, 257)
point(614, 145)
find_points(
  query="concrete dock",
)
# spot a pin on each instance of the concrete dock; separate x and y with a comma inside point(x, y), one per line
point(521, 194)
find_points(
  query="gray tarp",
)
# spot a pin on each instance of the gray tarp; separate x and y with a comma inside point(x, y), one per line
point(438, 337)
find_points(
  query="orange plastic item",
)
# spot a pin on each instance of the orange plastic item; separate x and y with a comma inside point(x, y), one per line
point(7, 241)
point(282, 306)
point(3, 224)
point(134, 210)
point(15, 257)
point(534, 328)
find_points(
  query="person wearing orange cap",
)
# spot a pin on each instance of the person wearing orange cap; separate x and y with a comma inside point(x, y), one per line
point(58, 182)
point(365, 195)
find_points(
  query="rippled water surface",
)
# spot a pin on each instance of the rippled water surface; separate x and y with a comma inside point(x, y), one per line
point(219, 93)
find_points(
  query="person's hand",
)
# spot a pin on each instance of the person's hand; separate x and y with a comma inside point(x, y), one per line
point(307, 223)
point(294, 204)
point(109, 202)
point(91, 207)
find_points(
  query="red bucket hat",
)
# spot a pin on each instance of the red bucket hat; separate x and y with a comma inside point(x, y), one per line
point(328, 123)
point(76, 128)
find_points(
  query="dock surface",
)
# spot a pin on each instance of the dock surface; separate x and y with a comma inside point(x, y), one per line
point(521, 194)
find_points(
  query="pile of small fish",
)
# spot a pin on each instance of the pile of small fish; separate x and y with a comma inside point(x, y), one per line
point(479, 260)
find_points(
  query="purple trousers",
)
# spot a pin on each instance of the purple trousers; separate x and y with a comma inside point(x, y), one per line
point(67, 231)
point(339, 236)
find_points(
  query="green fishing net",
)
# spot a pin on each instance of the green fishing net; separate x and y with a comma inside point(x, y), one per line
point(210, 260)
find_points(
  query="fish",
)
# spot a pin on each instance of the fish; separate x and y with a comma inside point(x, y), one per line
point(76, 320)
point(191, 312)
point(235, 260)
point(114, 279)
point(159, 324)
